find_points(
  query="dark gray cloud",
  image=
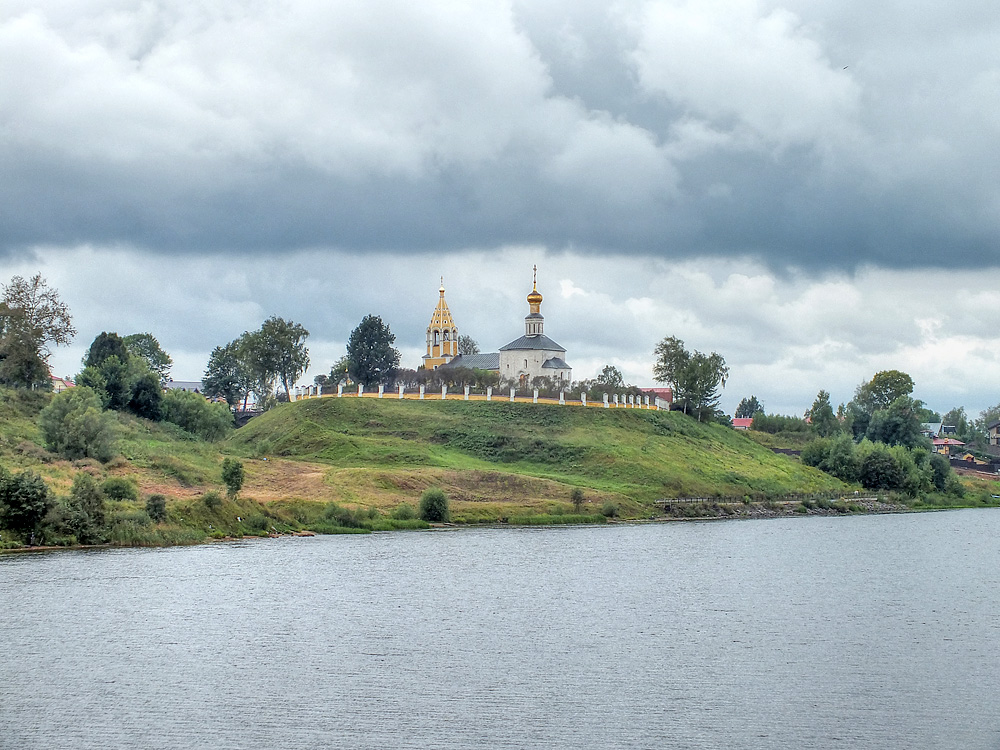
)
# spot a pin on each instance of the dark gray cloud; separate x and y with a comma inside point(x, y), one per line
point(658, 129)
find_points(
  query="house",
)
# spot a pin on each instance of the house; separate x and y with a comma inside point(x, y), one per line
point(664, 394)
point(61, 384)
point(742, 423)
point(993, 433)
point(945, 446)
point(194, 386)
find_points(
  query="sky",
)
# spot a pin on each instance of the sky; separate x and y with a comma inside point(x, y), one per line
point(807, 188)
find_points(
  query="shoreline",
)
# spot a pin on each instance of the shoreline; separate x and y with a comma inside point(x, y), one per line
point(749, 513)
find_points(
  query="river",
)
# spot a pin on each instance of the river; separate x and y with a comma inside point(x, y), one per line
point(819, 632)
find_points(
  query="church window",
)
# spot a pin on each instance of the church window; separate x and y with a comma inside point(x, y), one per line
point(437, 337)
point(445, 335)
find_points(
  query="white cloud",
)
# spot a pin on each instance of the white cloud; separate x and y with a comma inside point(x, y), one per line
point(785, 338)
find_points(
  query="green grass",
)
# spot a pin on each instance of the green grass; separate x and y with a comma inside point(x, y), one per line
point(639, 455)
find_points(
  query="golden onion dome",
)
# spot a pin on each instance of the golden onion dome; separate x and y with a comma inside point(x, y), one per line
point(535, 298)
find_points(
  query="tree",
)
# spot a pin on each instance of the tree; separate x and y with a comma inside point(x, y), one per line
point(748, 407)
point(370, 351)
point(881, 471)
point(878, 393)
point(958, 419)
point(340, 371)
point(285, 341)
point(24, 501)
point(21, 365)
point(896, 425)
point(694, 377)
point(467, 345)
point(103, 346)
point(821, 417)
point(147, 397)
point(74, 425)
point(31, 318)
point(434, 506)
point(232, 476)
point(611, 377)
point(144, 346)
point(227, 376)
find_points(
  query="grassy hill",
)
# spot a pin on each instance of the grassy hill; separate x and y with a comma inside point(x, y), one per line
point(324, 464)
point(498, 458)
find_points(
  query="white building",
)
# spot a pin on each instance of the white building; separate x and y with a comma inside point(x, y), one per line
point(534, 354)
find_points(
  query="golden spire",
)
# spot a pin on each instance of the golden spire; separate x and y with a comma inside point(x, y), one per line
point(535, 298)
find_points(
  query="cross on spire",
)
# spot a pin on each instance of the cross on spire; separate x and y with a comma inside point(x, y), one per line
point(534, 278)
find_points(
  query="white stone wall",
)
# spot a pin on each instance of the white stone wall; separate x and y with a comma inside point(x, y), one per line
point(516, 362)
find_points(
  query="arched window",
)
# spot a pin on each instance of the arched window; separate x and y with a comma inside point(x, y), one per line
point(446, 335)
point(437, 337)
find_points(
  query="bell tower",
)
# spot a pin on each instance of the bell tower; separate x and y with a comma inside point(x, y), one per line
point(442, 335)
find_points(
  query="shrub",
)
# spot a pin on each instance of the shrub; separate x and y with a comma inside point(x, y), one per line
point(881, 471)
point(194, 413)
point(24, 501)
point(343, 517)
point(156, 507)
point(74, 425)
point(434, 506)
point(233, 475)
point(609, 509)
point(404, 512)
point(577, 497)
point(212, 500)
point(119, 488)
point(85, 512)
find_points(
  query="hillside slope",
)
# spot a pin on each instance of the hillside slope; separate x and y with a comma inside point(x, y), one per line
point(384, 451)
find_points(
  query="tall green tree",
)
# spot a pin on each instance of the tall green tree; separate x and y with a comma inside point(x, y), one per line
point(372, 356)
point(32, 316)
point(611, 377)
point(899, 424)
point(286, 340)
point(748, 407)
point(145, 347)
point(694, 377)
point(821, 417)
point(227, 375)
point(75, 425)
point(878, 393)
point(40, 311)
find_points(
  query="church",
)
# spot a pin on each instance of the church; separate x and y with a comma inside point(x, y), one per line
point(530, 356)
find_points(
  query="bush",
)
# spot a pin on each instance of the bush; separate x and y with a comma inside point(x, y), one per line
point(85, 515)
point(881, 471)
point(609, 509)
point(233, 475)
point(434, 506)
point(119, 488)
point(74, 425)
point(156, 507)
point(24, 501)
point(404, 512)
point(194, 413)
point(577, 497)
point(212, 500)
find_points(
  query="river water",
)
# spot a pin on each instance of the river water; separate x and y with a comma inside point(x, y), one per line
point(855, 632)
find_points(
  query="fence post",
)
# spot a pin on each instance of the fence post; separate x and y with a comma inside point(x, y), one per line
point(534, 398)
point(401, 393)
point(381, 389)
point(583, 397)
point(361, 390)
point(444, 392)
point(562, 398)
point(489, 393)
point(607, 404)
point(421, 393)
point(466, 393)
point(340, 390)
point(512, 394)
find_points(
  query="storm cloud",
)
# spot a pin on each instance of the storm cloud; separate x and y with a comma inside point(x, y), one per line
point(811, 135)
